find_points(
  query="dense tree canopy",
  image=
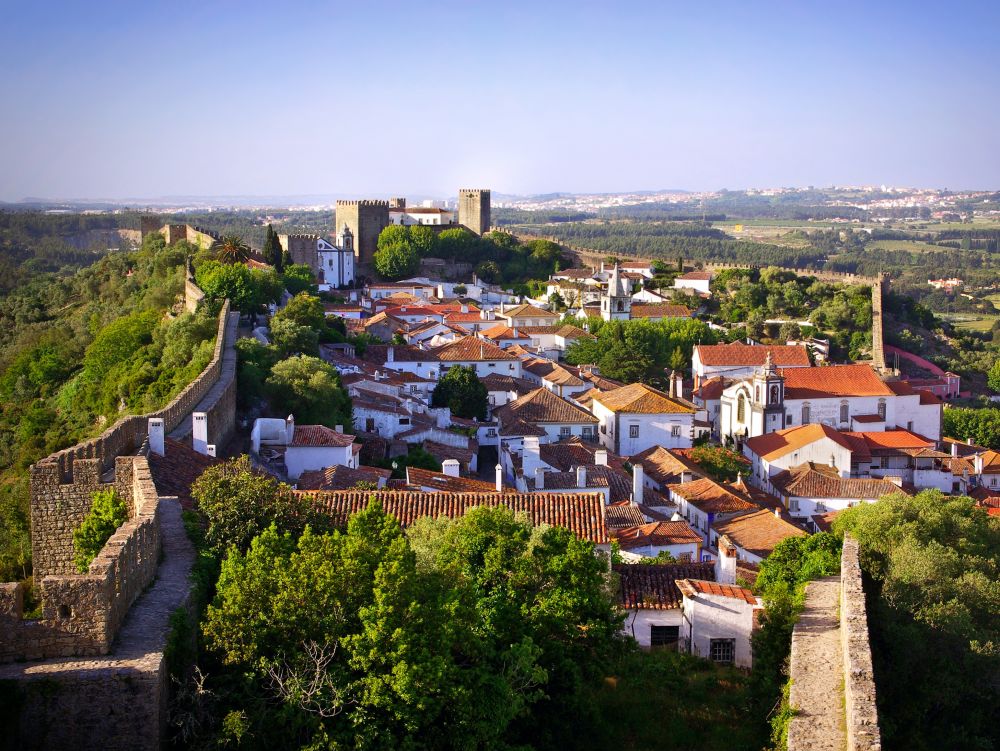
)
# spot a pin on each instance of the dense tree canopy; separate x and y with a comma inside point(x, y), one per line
point(310, 389)
point(981, 425)
point(934, 562)
point(462, 392)
point(478, 634)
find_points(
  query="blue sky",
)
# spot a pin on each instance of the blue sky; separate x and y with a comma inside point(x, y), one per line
point(129, 100)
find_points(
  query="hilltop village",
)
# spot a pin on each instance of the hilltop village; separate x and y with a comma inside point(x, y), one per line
point(431, 395)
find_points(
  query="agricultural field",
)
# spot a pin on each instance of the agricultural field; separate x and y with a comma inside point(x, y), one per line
point(971, 321)
point(910, 246)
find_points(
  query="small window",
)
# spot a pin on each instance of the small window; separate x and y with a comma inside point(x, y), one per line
point(722, 651)
point(793, 504)
point(844, 409)
point(805, 414)
point(404, 420)
point(491, 433)
point(664, 636)
point(633, 431)
point(565, 430)
point(675, 431)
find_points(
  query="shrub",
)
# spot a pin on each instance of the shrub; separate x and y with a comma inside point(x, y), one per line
point(106, 515)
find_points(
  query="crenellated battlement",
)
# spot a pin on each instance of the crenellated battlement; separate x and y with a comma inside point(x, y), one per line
point(372, 202)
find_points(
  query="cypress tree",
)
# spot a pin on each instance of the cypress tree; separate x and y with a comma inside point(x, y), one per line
point(272, 249)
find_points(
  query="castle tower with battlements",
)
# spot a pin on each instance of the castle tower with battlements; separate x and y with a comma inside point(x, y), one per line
point(474, 209)
point(365, 219)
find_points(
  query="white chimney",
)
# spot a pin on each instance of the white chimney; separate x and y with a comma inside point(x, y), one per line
point(539, 478)
point(289, 429)
point(954, 450)
point(638, 482)
point(450, 467)
point(601, 457)
point(499, 479)
point(679, 390)
point(390, 355)
point(210, 450)
point(154, 428)
point(338, 429)
point(977, 463)
point(725, 565)
point(581, 476)
point(465, 308)
point(777, 512)
point(199, 432)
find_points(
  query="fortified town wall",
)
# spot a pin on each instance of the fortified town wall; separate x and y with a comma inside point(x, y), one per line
point(856, 727)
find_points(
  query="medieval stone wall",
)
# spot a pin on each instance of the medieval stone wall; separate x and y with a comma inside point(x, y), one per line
point(474, 209)
point(81, 613)
point(859, 680)
point(128, 433)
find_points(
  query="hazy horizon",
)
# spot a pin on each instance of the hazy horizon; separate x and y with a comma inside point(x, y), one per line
point(115, 101)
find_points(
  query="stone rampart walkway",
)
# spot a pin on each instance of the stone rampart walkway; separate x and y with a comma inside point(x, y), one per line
point(817, 671)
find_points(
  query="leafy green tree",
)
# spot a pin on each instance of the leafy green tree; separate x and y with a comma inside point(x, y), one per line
point(272, 250)
point(993, 377)
point(232, 248)
point(310, 389)
point(239, 502)
point(247, 289)
point(790, 332)
point(417, 456)
point(394, 234)
point(488, 271)
point(305, 310)
point(423, 240)
point(457, 244)
point(557, 302)
point(254, 363)
point(981, 425)
point(106, 515)
point(934, 563)
point(299, 278)
point(462, 392)
point(396, 261)
point(293, 338)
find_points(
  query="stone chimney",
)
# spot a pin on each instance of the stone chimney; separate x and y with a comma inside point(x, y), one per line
point(638, 482)
point(539, 478)
point(450, 467)
point(581, 476)
point(725, 565)
point(499, 479)
point(199, 432)
point(601, 457)
point(154, 429)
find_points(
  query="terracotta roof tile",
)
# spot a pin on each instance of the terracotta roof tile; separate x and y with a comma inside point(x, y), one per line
point(712, 497)
point(739, 354)
point(527, 311)
point(665, 466)
point(638, 398)
point(175, 471)
point(340, 477)
point(442, 483)
point(833, 381)
point(656, 534)
point(541, 405)
point(618, 483)
point(320, 435)
point(654, 586)
point(775, 445)
point(757, 532)
point(470, 349)
point(695, 587)
point(660, 310)
point(581, 513)
point(623, 516)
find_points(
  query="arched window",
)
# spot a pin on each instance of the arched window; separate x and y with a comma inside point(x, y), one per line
point(843, 411)
point(621, 306)
point(774, 394)
point(741, 410)
point(805, 414)
point(756, 394)
point(881, 408)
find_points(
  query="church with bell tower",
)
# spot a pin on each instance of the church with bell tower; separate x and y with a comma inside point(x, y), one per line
point(616, 303)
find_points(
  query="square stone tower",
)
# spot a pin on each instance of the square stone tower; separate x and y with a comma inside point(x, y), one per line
point(474, 209)
point(366, 219)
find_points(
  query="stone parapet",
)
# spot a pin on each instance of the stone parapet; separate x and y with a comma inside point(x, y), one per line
point(863, 732)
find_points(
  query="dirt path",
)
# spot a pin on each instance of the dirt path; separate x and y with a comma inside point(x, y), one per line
point(818, 672)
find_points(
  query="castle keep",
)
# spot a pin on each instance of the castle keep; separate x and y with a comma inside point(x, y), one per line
point(474, 209)
point(365, 219)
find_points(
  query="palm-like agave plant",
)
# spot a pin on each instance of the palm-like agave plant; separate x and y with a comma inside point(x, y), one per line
point(232, 249)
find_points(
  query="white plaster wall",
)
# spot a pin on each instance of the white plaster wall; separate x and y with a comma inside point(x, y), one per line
point(299, 459)
point(637, 623)
point(707, 617)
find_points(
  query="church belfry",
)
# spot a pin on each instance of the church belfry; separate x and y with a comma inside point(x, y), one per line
point(616, 304)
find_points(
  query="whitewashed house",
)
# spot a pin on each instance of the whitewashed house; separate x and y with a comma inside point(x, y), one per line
point(637, 417)
point(718, 621)
point(652, 602)
point(302, 447)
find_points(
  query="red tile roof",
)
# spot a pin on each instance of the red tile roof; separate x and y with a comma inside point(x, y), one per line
point(757, 532)
point(180, 466)
point(320, 435)
point(541, 405)
point(581, 513)
point(712, 497)
point(656, 534)
point(695, 587)
point(442, 483)
point(659, 310)
point(775, 445)
point(665, 466)
point(654, 587)
point(623, 515)
point(834, 381)
point(340, 477)
point(822, 481)
point(739, 354)
point(470, 349)
point(638, 398)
